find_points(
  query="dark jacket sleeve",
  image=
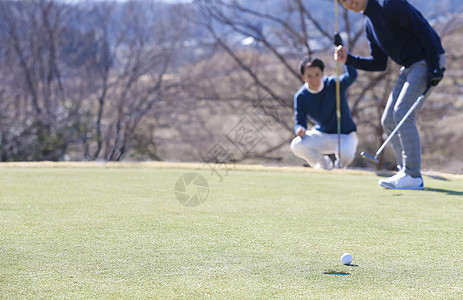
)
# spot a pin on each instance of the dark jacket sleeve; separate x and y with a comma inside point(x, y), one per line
point(300, 112)
point(376, 62)
point(348, 77)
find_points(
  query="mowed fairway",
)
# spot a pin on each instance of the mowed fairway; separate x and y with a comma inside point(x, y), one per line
point(112, 231)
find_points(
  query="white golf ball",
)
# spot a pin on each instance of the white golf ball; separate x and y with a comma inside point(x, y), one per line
point(346, 259)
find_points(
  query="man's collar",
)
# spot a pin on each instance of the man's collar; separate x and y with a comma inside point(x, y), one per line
point(320, 88)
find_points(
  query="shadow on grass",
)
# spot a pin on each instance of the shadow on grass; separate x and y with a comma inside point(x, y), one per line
point(339, 273)
point(336, 273)
point(443, 191)
point(436, 177)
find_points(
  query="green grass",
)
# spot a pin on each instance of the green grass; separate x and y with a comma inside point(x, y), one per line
point(119, 232)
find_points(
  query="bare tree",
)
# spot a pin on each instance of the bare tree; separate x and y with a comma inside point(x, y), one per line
point(281, 37)
point(146, 51)
point(99, 81)
point(34, 30)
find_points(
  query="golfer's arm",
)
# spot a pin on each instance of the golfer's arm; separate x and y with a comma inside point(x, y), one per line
point(376, 62)
point(366, 63)
point(348, 77)
point(300, 114)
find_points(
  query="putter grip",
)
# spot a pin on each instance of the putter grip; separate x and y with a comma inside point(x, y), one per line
point(337, 39)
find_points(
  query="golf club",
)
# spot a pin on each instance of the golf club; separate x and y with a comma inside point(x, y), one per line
point(412, 108)
point(337, 42)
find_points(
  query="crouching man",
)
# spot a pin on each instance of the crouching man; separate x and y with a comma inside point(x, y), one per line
point(317, 99)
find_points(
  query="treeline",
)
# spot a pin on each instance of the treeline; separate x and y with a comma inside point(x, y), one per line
point(80, 79)
point(149, 80)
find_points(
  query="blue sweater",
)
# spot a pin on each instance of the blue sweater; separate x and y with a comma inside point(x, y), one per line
point(397, 30)
point(321, 107)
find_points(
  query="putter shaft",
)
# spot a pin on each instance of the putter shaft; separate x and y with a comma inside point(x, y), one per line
point(409, 112)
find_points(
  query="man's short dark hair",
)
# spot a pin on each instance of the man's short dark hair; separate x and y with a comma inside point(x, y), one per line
point(308, 62)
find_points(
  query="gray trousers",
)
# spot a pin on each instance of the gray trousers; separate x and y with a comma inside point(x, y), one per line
point(406, 143)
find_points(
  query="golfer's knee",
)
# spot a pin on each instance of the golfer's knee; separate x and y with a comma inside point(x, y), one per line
point(387, 121)
point(347, 158)
point(398, 116)
point(296, 145)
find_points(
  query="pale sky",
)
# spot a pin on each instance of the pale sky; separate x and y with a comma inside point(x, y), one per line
point(124, 0)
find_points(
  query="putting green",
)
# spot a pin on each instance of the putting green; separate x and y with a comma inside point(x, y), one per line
point(78, 230)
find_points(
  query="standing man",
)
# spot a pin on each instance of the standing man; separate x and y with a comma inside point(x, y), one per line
point(317, 99)
point(396, 29)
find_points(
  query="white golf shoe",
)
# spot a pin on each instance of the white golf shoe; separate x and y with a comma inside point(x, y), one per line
point(402, 181)
point(399, 174)
point(326, 163)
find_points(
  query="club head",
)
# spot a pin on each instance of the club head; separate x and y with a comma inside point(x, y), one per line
point(369, 157)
